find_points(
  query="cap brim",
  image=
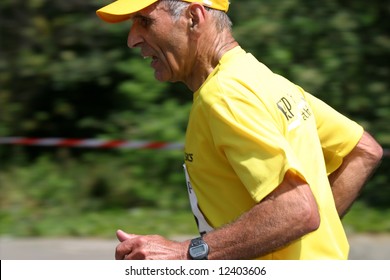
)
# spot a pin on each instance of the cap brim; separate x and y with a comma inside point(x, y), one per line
point(122, 9)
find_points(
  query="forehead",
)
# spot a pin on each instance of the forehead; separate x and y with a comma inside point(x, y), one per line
point(150, 10)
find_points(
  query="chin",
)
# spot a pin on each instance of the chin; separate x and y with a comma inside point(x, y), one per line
point(160, 77)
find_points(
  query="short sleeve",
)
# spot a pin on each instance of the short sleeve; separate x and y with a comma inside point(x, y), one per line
point(338, 134)
point(250, 138)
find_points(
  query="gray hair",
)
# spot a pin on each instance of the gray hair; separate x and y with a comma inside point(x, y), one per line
point(177, 7)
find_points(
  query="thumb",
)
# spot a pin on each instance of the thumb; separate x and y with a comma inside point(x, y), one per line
point(122, 236)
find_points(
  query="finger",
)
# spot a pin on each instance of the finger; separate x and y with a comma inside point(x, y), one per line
point(123, 251)
point(119, 254)
point(122, 236)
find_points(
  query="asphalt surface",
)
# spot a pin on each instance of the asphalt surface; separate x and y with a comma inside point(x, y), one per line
point(363, 247)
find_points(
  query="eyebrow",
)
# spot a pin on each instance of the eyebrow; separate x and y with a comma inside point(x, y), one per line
point(138, 15)
point(135, 15)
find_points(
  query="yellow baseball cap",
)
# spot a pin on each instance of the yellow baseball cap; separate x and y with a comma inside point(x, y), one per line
point(121, 10)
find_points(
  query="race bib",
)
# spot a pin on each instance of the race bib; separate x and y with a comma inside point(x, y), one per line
point(201, 222)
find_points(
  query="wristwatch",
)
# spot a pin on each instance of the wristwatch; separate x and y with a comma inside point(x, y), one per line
point(198, 249)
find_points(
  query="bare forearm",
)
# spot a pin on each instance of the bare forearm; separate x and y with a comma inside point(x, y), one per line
point(357, 167)
point(289, 213)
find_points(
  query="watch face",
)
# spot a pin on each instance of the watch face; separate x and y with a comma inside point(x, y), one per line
point(199, 252)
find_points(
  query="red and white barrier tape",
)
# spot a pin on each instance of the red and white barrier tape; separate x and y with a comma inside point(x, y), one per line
point(89, 143)
point(102, 144)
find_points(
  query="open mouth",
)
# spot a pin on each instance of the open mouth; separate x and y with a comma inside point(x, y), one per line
point(153, 58)
point(150, 56)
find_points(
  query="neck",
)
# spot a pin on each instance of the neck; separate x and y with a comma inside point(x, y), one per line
point(209, 53)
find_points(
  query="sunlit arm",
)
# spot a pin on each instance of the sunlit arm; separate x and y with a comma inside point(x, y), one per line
point(357, 167)
point(287, 214)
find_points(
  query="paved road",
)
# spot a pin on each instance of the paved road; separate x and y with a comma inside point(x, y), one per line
point(363, 247)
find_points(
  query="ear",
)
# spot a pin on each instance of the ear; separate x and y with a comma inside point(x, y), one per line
point(197, 15)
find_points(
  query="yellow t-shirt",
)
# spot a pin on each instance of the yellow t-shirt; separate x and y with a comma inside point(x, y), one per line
point(247, 127)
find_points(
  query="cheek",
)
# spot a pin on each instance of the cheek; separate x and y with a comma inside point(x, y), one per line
point(171, 56)
point(173, 52)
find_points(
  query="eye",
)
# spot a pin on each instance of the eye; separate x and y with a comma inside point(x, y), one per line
point(143, 21)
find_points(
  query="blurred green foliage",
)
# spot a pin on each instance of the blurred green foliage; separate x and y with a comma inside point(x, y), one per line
point(64, 73)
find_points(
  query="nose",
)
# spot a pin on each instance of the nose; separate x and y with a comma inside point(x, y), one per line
point(134, 38)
